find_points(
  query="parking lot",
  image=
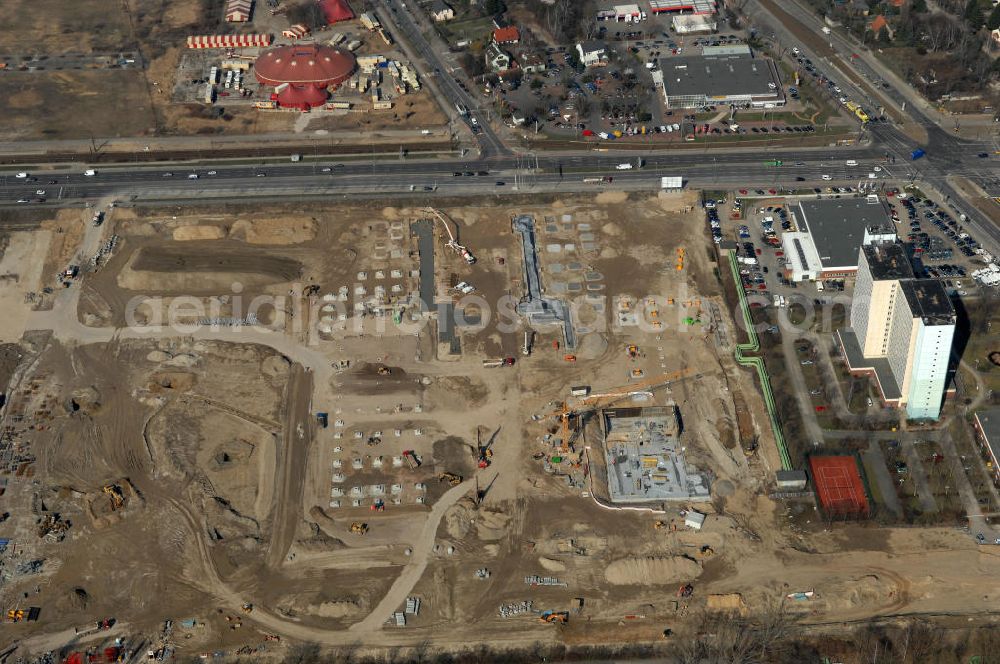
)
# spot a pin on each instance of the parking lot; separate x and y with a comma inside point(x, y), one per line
point(619, 98)
point(756, 218)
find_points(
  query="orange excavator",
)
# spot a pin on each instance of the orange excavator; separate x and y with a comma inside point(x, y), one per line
point(554, 617)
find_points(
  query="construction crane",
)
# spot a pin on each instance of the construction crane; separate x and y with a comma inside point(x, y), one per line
point(452, 241)
point(484, 453)
point(594, 401)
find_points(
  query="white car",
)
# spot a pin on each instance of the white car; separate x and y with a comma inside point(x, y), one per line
point(40, 192)
point(877, 169)
point(826, 177)
point(193, 176)
point(212, 173)
point(21, 176)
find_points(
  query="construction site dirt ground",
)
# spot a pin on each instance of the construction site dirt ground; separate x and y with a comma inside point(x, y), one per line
point(161, 472)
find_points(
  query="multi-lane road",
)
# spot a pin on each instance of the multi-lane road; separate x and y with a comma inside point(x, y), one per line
point(496, 170)
point(947, 155)
point(697, 169)
point(399, 18)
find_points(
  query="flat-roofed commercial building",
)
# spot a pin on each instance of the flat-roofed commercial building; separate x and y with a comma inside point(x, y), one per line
point(730, 76)
point(682, 6)
point(830, 234)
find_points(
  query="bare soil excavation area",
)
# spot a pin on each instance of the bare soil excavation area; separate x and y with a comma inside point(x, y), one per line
point(299, 478)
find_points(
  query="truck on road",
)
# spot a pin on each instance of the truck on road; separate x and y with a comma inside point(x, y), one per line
point(498, 362)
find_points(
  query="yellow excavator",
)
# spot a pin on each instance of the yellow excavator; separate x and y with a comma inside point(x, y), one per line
point(117, 497)
point(450, 478)
point(359, 528)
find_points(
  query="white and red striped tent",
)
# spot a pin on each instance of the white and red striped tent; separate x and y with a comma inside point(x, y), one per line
point(238, 11)
point(228, 41)
point(297, 31)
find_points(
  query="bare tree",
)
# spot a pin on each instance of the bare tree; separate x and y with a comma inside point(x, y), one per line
point(727, 639)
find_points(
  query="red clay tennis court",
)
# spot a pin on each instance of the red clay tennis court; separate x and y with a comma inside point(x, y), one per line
point(839, 486)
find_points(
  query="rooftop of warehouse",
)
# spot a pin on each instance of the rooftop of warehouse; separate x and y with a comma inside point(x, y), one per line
point(719, 75)
point(837, 227)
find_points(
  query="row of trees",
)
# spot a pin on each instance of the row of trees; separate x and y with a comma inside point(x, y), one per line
point(949, 38)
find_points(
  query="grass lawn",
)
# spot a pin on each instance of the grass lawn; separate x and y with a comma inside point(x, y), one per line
point(471, 29)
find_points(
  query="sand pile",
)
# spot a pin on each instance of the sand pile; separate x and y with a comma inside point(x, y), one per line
point(642, 571)
point(606, 197)
point(182, 360)
point(866, 591)
point(552, 565)
point(459, 519)
point(492, 525)
point(158, 356)
point(276, 231)
point(187, 233)
point(336, 609)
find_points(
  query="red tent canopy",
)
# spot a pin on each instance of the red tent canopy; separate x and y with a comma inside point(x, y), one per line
point(302, 96)
point(336, 10)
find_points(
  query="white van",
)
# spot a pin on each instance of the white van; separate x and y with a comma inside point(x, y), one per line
point(90, 172)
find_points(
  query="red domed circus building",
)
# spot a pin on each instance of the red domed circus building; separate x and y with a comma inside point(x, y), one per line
point(303, 72)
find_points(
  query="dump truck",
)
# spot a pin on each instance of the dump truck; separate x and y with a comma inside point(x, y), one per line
point(497, 362)
point(411, 459)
